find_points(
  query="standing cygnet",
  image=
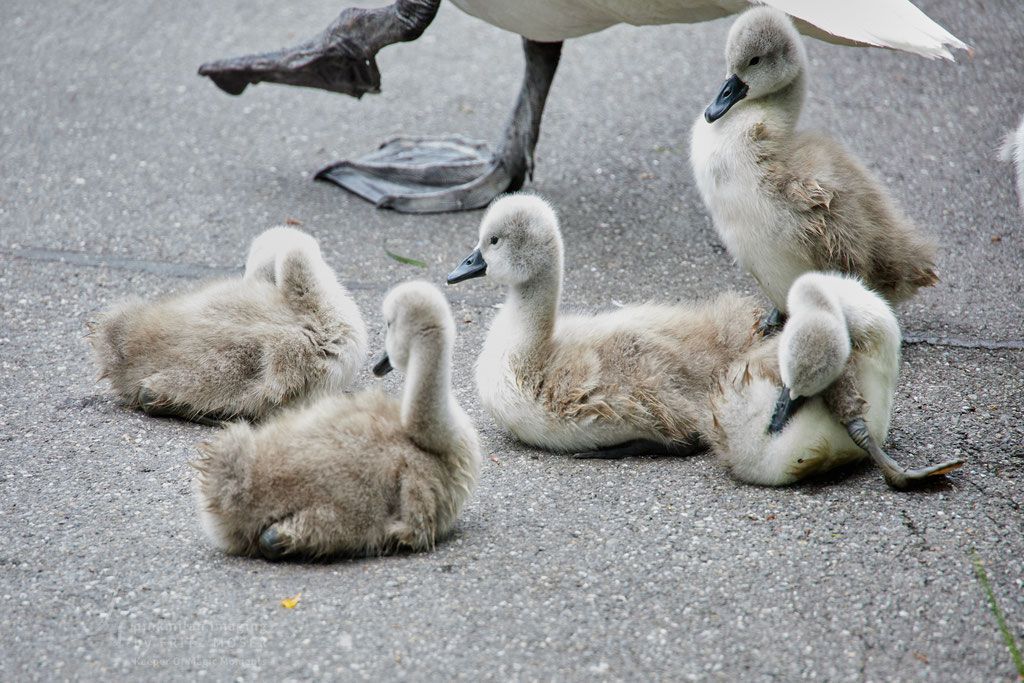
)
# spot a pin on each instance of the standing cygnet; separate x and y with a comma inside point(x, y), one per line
point(787, 202)
point(351, 475)
point(630, 381)
point(239, 347)
point(836, 362)
point(1013, 150)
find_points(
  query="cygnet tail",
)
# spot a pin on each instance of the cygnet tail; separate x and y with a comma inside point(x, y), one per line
point(109, 335)
point(896, 24)
point(1009, 146)
point(223, 490)
point(104, 332)
point(1012, 150)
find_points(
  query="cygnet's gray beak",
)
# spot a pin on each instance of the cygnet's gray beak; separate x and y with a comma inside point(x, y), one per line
point(382, 366)
point(473, 266)
point(732, 92)
point(785, 407)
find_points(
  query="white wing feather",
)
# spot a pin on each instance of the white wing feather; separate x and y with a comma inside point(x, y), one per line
point(896, 24)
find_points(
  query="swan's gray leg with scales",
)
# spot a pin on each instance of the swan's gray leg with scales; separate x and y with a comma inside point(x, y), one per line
point(425, 174)
point(845, 402)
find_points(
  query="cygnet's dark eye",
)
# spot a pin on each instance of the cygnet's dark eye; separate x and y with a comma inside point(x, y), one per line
point(754, 60)
point(494, 240)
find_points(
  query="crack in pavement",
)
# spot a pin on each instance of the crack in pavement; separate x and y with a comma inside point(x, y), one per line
point(190, 270)
point(118, 263)
point(199, 271)
point(991, 345)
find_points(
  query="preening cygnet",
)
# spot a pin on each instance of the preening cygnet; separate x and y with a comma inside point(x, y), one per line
point(817, 396)
point(632, 380)
point(351, 475)
point(785, 202)
point(1013, 151)
point(239, 347)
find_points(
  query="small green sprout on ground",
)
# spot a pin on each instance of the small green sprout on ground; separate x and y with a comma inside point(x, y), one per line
point(979, 570)
point(402, 259)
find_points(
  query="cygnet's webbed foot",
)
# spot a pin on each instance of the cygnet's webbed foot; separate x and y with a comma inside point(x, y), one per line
point(772, 323)
point(451, 173)
point(340, 59)
point(272, 545)
point(644, 447)
point(896, 476)
point(785, 407)
point(156, 406)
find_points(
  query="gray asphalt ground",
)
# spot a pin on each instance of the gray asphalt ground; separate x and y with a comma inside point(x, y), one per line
point(122, 172)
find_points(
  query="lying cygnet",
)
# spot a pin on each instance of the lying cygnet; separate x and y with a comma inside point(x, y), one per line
point(1013, 150)
point(629, 381)
point(836, 362)
point(786, 202)
point(239, 347)
point(352, 475)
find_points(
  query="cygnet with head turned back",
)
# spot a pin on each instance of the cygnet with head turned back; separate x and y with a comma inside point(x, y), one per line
point(817, 396)
point(286, 331)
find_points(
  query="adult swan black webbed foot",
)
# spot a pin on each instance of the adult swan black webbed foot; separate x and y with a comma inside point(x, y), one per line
point(434, 174)
point(341, 59)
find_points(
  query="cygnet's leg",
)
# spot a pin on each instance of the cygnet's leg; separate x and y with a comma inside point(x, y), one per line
point(310, 532)
point(895, 475)
point(771, 323)
point(155, 405)
point(643, 447)
point(273, 545)
point(340, 59)
point(434, 174)
point(846, 403)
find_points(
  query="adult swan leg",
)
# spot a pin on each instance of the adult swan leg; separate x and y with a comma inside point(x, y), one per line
point(408, 174)
point(435, 174)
